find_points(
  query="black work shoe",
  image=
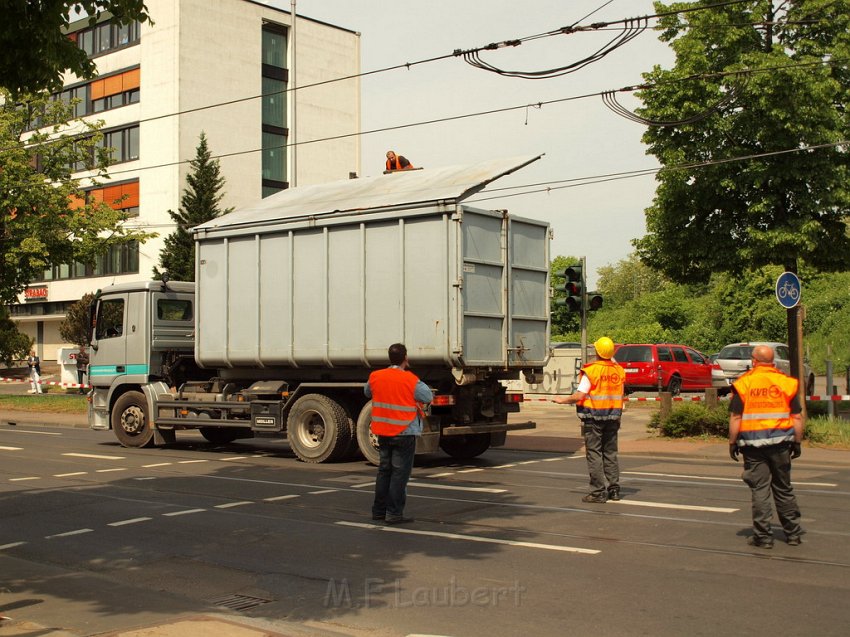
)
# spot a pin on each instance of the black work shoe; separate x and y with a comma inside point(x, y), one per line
point(793, 540)
point(598, 499)
point(766, 543)
point(375, 516)
point(399, 520)
point(614, 494)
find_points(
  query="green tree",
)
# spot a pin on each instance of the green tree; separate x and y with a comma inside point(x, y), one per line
point(40, 225)
point(627, 280)
point(199, 204)
point(76, 327)
point(36, 49)
point(13, 344)
point(784, 64)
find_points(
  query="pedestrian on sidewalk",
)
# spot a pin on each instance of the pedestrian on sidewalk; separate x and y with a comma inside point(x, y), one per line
point(766, 425)
point(397, 395)
point(599, 406)
point(34, 364)
point(82, 360)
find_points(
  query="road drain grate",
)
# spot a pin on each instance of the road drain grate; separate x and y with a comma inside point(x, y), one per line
point(239, 602)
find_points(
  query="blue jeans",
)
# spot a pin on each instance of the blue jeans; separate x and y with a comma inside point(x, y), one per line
point(393, 473)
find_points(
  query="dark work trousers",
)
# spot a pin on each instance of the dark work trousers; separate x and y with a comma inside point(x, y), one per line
point(600, 443)
point(393, 473)
point(766, 470)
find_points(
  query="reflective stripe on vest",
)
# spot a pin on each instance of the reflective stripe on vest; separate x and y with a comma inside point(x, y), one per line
point(766, 394)
point(604, 401)
point(393, 404)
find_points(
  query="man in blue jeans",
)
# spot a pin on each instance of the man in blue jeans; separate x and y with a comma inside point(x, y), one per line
point(396, 395)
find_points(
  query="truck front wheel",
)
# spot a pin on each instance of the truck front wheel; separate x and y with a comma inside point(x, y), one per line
point(466, 446)
point(130, 420)
point(318, 429)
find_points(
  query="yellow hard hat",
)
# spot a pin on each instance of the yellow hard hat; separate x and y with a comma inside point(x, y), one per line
point(604, 347)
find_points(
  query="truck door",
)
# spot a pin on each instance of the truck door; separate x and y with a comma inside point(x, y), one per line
point(108, 357)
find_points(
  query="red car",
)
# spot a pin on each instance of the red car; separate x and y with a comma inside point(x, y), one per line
point(681, 368)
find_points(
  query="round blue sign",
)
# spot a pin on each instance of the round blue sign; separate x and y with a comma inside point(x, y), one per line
point(788, 290)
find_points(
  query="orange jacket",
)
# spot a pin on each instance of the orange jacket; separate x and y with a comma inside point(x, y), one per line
point(393, 404)
point(767, 394)
point(395, 164)
point(605, 399)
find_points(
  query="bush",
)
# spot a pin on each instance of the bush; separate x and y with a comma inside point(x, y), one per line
point(833, 432)
point(693, 419)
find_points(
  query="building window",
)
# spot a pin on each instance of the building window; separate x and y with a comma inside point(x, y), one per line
point(124, 143)
point(107, 36)
point(120, 259)
point(274, 79)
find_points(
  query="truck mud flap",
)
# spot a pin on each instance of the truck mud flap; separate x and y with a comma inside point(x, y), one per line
point(428, 442)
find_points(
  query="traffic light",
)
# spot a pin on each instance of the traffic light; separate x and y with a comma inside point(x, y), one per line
point(573, 287)
point(594, 301)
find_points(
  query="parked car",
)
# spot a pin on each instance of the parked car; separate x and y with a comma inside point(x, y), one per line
point(735, 359)
point(681, 368)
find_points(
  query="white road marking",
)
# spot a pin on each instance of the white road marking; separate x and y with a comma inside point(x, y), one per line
point(528, 462)
point(66, 475)
point(22, 479)
point(185, 512)
point(3, 547)
point(158, 464)
point(322, 491)
point(663, 505)
point(69, 533)
point(130, 521)
point(690, 477)
point(471, 538)
point(279, 497)
point(145, 478)
point(92, 455)
point(454, 488)
point(110, 470)
point(27, 431)
point(233, 458)
point(229, 505)
point(470, 470)
point(191, 461)
point(11, 448)
point(441, 475)
point(551, 459)
point(503, 466)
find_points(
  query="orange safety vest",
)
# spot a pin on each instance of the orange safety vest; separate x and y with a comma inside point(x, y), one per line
point(393, 404)
point(767, 394)
point(396, 164)
point(605, 399)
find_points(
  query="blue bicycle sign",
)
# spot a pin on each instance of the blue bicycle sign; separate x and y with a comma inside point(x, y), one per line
point(788, 290)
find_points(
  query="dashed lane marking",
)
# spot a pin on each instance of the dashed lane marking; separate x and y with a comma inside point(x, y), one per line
point(27, 431)
point(184, 512)
point(23, 479)
point(477, 469)
point(449, 487)
point(551, 459)
point(11, 448)
point(130, 521)
point(111, 470)
point(191, 461)
point(69, 533)
point(158, 464)
point(279, 497)
point(234, 458)
point(441, 475)
point(737, 480)
point(528, 462)
point(3, 547)
point(93, 455)
point(471, 538)
point(322, 491)
point(504, 466)
point(663, 505)
point(68, 475)
point(230, 505)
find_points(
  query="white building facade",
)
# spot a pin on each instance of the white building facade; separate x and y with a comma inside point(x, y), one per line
point(221, 67)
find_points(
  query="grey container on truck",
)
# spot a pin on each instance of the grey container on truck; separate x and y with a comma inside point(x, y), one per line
point(326, 277)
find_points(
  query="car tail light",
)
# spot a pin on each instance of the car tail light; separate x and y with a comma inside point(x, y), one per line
point(514, 398)
point(443, 400)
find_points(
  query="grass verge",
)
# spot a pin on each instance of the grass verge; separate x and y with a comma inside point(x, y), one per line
point(46, 403)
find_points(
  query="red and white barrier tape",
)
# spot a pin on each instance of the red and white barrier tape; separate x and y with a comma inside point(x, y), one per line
point(46, 382)
point(645, 399)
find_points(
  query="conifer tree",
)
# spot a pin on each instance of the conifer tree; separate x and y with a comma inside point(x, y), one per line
point(199, 204)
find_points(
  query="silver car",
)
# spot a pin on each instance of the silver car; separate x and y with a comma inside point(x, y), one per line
point(734, 360)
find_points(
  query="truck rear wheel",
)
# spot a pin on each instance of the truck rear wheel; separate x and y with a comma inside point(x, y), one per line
point(318, 429)
point(366, 440)
point(130, 420)
point(466, 446)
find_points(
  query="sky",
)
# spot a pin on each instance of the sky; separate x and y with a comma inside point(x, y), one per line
point(580, 138)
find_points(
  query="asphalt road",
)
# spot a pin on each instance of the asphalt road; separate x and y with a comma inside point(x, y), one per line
point(98, 538)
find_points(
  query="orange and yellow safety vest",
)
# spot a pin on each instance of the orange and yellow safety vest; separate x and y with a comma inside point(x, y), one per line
point(393, 404)
point(604, 401)
point(767, 394)
point(395, 164)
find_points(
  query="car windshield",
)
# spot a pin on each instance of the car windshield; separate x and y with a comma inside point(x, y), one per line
point(634, 354)
point(736, 352)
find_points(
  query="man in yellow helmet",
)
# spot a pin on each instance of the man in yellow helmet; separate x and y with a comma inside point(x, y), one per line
point(599, 405)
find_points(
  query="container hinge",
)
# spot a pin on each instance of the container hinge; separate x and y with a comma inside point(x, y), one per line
point(458, 283)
